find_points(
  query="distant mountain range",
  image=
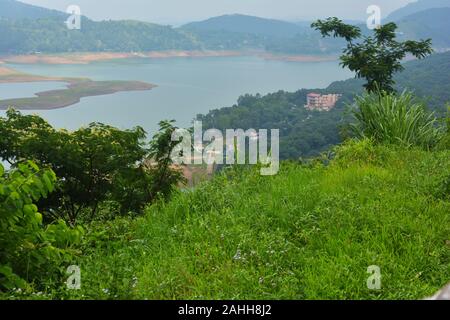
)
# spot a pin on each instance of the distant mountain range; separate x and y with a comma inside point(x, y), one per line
point(28, 29)
point(415, 7)
point(431, 23)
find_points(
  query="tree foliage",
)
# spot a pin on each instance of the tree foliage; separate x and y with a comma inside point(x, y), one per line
point(376, 58)
point(94, 164)
point(28, 249)
point(161, 168)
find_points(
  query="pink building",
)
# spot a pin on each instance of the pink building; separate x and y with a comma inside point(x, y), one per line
point(315, 101)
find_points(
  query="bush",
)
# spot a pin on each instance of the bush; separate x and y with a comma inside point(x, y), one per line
point(395, 119)
point(29, 251)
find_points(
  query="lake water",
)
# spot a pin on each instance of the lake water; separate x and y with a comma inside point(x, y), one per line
point(186, 87)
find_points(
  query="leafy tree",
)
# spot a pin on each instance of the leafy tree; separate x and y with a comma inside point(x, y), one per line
point(28, 250)
point(376, 58)
point(164, 175)
point(95, 165)
point(88, 161)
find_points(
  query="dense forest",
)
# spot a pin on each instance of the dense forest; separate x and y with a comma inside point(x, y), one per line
point(305, 133)
point(51, 35)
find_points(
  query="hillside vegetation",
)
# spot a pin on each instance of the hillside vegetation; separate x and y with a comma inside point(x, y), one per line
point(305, 133)
point(427, 24)
point(427, 78)
point(310, 232)
point(28, 29)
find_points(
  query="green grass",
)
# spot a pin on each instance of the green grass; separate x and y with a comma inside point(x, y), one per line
point(309, 232)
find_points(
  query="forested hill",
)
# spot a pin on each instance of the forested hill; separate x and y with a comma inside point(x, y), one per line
point(50, 35)
point(428, 78)
point(247, 24)
point(306, 133)
point(28, 29)
point(15, 10)
point(431, 23)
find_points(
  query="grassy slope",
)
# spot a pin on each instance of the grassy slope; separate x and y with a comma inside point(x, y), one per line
point(309, 232)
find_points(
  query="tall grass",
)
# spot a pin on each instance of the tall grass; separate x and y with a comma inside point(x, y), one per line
point(395, 119)
point(309, 232)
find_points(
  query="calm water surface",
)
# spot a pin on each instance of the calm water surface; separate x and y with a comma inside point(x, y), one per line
point(186, 87)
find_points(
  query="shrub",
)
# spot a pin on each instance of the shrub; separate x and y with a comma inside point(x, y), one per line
point(395, 119)
point(28, 250)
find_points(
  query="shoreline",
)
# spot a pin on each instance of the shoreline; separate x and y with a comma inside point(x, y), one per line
point(90, 57)
point(76, 89)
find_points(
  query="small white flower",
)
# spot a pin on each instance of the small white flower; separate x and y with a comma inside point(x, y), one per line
point(238, 255)
point(135, 281)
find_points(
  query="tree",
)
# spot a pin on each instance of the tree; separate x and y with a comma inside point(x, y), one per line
point(28, 249)
point(164, 175)
point(376, 58)
point(95, 165)
point(91, 160)
point(88, 161)
point(155, 178)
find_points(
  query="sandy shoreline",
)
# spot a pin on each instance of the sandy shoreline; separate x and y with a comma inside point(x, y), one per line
point(89, 57)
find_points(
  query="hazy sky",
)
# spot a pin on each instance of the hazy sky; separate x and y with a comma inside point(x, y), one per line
point(180, 11)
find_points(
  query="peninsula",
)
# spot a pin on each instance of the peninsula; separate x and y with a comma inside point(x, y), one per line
point(77, 88)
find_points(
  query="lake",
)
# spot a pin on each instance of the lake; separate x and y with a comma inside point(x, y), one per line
point(186, 87)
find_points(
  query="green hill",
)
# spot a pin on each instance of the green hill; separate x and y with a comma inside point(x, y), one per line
point(247, 24)
point(50, 35)
point(427, 24)
point(310, 232)
point(28, 29)
point(428, 78)
point(305, 133)
point(248, 32)
point(16, 10)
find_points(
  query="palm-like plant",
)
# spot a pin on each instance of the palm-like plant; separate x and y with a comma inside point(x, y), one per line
point(395, 119)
